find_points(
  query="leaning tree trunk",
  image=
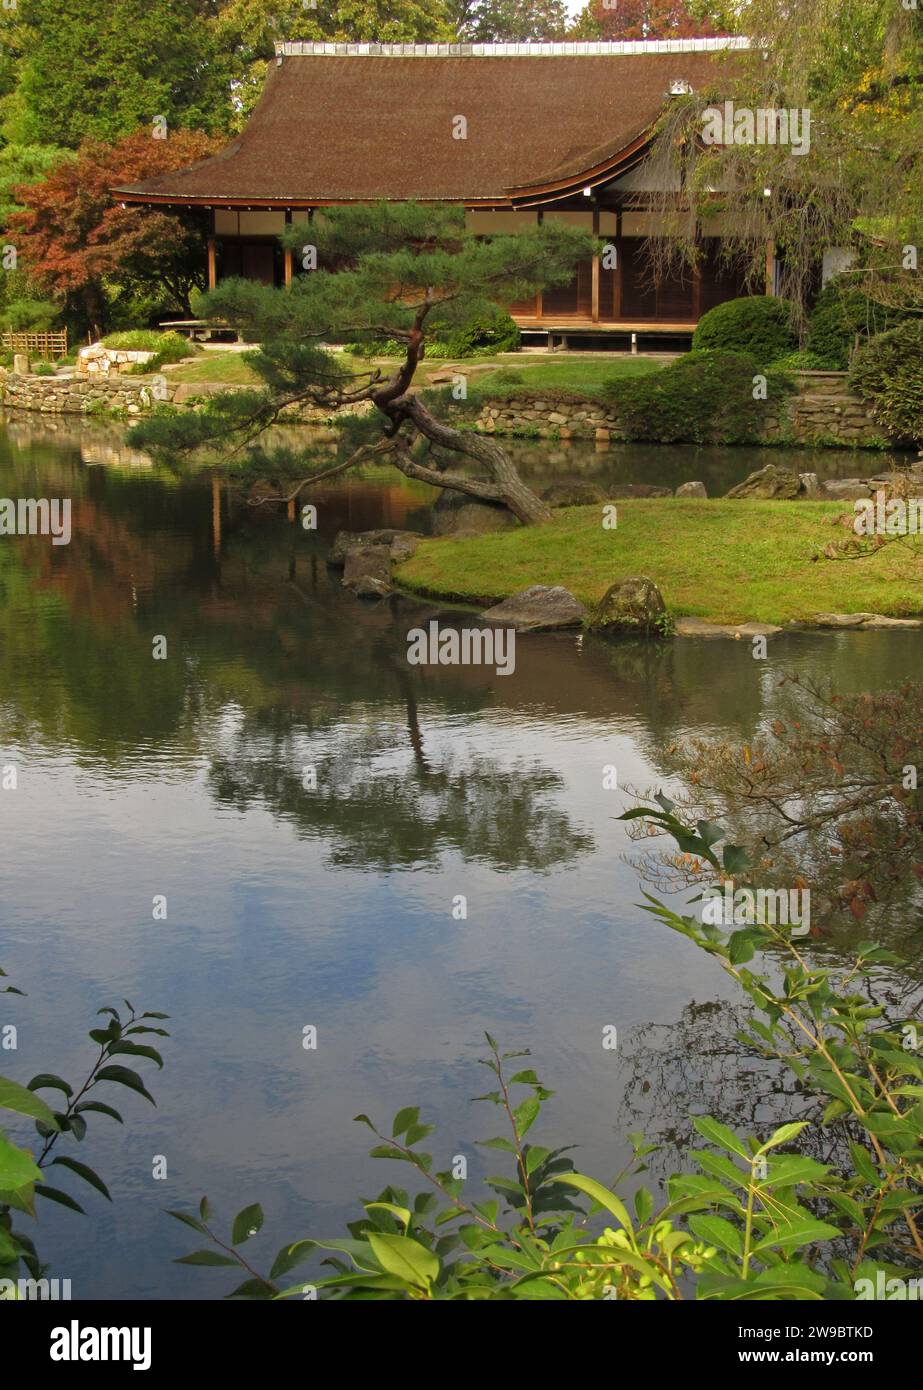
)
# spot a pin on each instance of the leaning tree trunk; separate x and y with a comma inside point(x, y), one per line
point(505, 487)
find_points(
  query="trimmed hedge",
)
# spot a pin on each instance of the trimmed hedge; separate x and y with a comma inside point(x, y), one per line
point(888, 371)
point(702, 398)
point(840, 314)
point(758, 324)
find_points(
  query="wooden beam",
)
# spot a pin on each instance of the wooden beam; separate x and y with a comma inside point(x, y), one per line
point(287, 251)
point(617, 288)
point(539, 218)
point(594, 289)
point(212, 264)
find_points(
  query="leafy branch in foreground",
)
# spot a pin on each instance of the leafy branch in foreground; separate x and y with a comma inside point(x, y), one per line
point(22, 1173)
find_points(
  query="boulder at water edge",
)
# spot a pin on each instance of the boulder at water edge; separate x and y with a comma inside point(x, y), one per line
point(367, 571)
point(538, 609)
point(632, 605)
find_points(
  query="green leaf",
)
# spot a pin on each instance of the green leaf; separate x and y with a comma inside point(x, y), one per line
point(406, 1258)
point(401, 1214)
point(205, 1210)
point(206, 1257)
point(136, 1050)
point(124, 1076)
point(290, 1256)
point(46, 1081)
point(246, 1223)
point(101, 1109)
point(86, 1173)
point(25, 1102)
point(188, 1220)
point(17, 1166)
point(404, 1119)
point(526, 1114)
point(714, 1230)
point(782, 1136)
point(63, 1198)
point(719, 1134)
point(601, 1195)
point(797, 1234)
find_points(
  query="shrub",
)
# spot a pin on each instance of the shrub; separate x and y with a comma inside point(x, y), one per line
point(703, 398)
point(44, 369)
point(168, 347)
point(840, 315)
point(757, 324)
point(888, 371)
point(491, 331)
point(28, 315)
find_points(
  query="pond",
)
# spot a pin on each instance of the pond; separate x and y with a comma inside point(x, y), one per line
point(325, 898)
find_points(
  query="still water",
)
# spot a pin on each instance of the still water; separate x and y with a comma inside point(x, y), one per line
point(332, 907)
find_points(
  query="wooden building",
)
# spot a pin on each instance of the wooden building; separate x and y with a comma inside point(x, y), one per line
point(517, 133)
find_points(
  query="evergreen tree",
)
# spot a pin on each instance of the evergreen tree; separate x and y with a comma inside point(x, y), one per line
point(400, 271)
point(98, 71)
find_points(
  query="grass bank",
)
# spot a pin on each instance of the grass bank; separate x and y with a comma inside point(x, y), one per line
point(720, 560)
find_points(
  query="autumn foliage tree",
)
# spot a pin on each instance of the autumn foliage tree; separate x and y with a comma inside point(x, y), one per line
point(645, 19)
point(80, 246)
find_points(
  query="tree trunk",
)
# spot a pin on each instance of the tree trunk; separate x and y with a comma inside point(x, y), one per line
point(506, 486)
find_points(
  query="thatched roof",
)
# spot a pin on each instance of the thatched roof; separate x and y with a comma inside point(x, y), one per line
point(341, 123)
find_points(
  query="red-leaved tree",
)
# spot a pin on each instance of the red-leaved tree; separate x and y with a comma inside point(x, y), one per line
point(78, 243)
point(649, 19)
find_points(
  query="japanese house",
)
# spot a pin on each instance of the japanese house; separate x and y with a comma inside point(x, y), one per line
point(514, 132)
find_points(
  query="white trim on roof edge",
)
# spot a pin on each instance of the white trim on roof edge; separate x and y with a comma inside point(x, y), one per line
point(507, 50)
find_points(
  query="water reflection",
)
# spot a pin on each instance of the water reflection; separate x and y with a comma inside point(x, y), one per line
point(291, 903)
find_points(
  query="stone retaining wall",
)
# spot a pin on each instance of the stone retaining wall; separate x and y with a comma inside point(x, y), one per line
point(824, 410)
point(80, 395)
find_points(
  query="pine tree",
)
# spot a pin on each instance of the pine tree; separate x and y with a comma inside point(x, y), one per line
point(405, 272)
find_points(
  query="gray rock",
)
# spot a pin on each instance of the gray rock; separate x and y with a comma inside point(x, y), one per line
point(538, 609)
point(367, 571)
point(769, 483)
point(457, 514)
point(811, 485)
point(691, 490)
point(20, 364)
point(865, 621)
point(846, 489)
point(630, 605)
point(574, 495)
point(696, 627)
point(402, 544)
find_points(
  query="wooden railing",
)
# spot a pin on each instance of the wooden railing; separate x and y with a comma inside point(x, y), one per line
point(47, 345)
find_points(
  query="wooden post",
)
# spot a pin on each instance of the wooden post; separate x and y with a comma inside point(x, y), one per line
point(594, 289)
point(288, 252)
point(697, 289)
point(770, 267)
point(617, 287)
point(212, 264)
point(538, 297)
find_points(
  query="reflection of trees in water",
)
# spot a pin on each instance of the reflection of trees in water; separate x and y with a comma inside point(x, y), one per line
point(702, 1065)
point(382, 801)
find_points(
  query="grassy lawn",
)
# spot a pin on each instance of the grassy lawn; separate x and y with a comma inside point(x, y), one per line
point(720, 560)
point(586, 375)
point(229, 368)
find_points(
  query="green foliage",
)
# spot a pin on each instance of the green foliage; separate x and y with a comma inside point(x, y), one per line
point(702, 398)
point(888, 371)
point(757, 324)
point(761, 1220)
point(86, 79)
point(840, 317)
point(168, 347)
point(23, 1173)
point(29, 315)
point(489, 332)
